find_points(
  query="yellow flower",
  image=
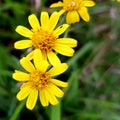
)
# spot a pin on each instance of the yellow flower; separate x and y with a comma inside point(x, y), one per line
point(74, 9)
point(44, 36)
point(39, 81)
point(118, 0)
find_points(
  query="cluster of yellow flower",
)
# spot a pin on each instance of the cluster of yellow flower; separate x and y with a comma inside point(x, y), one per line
point(42, 63)
point(115, 0)
point(118, 0)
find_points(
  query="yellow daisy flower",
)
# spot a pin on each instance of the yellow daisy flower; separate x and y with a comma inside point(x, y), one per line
point(39, 81)
point(74, 9)
point(45, 37)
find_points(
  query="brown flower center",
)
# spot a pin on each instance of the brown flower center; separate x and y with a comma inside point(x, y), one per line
point(43, 40)
point(39, 80)
point(71, 5)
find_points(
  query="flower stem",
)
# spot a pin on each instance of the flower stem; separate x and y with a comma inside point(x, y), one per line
point(18, 110)
point(56, 112)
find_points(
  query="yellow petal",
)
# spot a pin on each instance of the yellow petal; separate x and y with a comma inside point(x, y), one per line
point(62, 12)
point(43, 98)
point(44, 20)
point(53, 21)
point(32, 99)
point(67, 41)
point(37, 56)
point(67, 1)
point(20, 76)
point(53, 59)
point(55, 90)
point(88, 3)
point(43, 66)
point(72, 17)
point(23, 93)
point(30, 55)
point(24, 31)
point(84, 14)
point(34, 22)
point(59, 4)
point(40, 64)
point(59, 83)
point(50, 97)
point(44, 54)
point(27, 65)
point(22, 44)
point(26, 84)
point(56, 70)
point(61, 29)
point(64, 50)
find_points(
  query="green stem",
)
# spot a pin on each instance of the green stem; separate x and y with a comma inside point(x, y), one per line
point(18, 110)
point(56, 112)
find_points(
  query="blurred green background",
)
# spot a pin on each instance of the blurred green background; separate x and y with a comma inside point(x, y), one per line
point(94, 70)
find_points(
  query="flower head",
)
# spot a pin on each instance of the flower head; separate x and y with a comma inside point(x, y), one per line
point(74, 8)
point(39, 81)
point(45, 37)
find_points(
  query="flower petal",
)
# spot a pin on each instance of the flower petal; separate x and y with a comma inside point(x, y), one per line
point(61, 29)
point(56, 70)
point(43, 98)
point(53, 59)
point(72, 17)
point(34, 22)
point(23, 93)
point(59, 83)
point(88, 3)
point(27, 65)
point(64, 50)
point(30, 55)
point(24, 31)
point(67, 41)
point(43, 66)
point(20, 76)
point(50, 97)
point(22, 44)
point(62, 12)
point(55, 90)
point(26, 84)
point(39, 63)
point(84, 14)
point(53, 21)
point(44, 20)
point(44, 54)
point(32, 99)
point(58, 4)
point(37, 56)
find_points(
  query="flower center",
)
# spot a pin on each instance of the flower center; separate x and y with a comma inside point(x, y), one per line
point(72, 5)
point(43, 40)
point(39, 80)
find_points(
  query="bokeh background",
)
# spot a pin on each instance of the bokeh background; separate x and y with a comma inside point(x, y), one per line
point(94, 70)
